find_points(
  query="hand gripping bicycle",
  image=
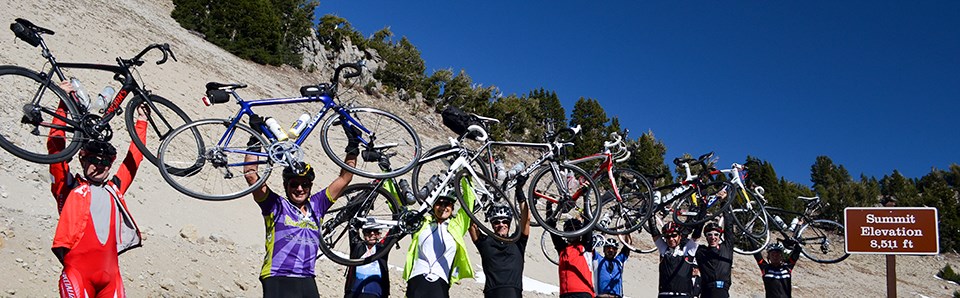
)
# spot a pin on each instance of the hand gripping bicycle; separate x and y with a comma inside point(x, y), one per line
point(37, 100)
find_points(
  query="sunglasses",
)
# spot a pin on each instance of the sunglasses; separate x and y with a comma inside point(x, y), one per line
point(305, 185)
point(98, 160)
point(444, 203)
point(671, 235)
point(500, 222)
point(714, 234)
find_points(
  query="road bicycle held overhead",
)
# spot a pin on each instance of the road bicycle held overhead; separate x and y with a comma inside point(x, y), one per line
point(557, 190)
point(821, 240)
point(217, 146)
point(389, 208)
point(34, 99)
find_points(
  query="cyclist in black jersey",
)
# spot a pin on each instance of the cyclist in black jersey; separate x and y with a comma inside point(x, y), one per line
point(715, 259)
point(777, 273)
point(503, 262)
point(676, 261)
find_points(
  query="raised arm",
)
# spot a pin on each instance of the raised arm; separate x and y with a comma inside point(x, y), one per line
point(60, 171)
point(474, 234)
point(250, 170)
point(131, 162)
point(522, 203)
point(352, 150)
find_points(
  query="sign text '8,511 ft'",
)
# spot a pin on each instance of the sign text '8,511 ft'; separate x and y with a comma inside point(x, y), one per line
point(892, 230)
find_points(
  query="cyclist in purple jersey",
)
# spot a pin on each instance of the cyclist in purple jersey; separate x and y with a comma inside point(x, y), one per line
point(292, 233)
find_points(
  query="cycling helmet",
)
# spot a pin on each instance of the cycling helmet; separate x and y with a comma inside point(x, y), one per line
point(290, 172)
point(670, 228)
point(775, 247)
point(710, 227)
point(499, 212)
point(611, 242)
point(96, 147)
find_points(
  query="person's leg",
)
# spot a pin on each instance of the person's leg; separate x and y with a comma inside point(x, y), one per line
point(113, 289)
point(506, 292)
point(308, 287)
point(419, 287)
point(72, 284)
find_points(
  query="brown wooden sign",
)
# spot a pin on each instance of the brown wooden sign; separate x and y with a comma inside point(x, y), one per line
point(892, 230)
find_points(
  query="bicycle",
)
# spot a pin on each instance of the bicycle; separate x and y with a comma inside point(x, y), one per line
point(549, 252)
point(749, 217)
point(627, 197)
point(39, 99)
point(557, 188)
point(821, 240)
point(375, 205)
point(219, 151)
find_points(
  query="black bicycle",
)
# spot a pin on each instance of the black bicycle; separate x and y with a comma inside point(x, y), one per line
point(32, 99)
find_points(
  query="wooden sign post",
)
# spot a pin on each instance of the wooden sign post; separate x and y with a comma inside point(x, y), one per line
point(891, 231)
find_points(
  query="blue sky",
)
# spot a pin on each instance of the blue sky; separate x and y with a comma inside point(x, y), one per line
point(874, 85)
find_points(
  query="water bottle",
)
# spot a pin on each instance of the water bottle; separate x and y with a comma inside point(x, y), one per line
point(274, 127)
point(298, 126)
point(779, 222)
point(78, 90)
point(572, 183)
point(431, 184)
point(105, 96)
point(406, 194)
point(501, 172)
point(793, 223)
point(516, 169)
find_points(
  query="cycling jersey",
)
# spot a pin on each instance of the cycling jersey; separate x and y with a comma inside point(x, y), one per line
point(94, 226)
point(457, 226)
point(502, 262)
point(292, 237)
point(372, 279)
point(609, 272)
point(777, 279)
point(715, 264)
point(676, 268)
point(576, 274)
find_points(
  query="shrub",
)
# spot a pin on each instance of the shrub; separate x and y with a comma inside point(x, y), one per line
point(948, 274)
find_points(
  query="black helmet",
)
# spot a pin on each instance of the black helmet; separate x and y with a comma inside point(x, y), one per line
point(307, 172)
point(572, 225)
point(97, 147)
point(712, 227)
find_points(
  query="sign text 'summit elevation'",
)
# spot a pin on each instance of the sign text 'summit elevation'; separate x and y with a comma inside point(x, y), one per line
point(892, 230)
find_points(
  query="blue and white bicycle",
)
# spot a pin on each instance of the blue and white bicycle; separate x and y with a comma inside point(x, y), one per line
point(213, 149)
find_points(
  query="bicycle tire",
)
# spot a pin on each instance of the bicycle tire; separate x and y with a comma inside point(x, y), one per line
point(539, 191)
point(688, 215)
point(407, 145)
point(753, 219)
point(214, 171)
point(17, 137)
point(635, 206)
point(357, 199)
point(161, 124)
point(746, 243)
point(546, 246)
point(639, 244)
point(826, 242)
point(487, 195)
point(430, 165)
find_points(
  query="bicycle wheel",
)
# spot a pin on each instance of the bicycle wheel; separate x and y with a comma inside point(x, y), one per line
point(752, 219)
point(549, 251)
point(690, 212)
point(163, 119)
point(436, 162)
point(31, 103)
point(637, 242)
point(359, 206)
point(823, 241)
point(486, 196)
point(387, 134)
point(745, 242)
point(563, 193)
point(633, 210)
point(215, 152)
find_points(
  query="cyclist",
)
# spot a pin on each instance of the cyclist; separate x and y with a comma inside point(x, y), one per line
point(609, 268)
point(95, 225)
point(373, 279)
point(777, 273)
point(576, 278)
point(677, 261)
point(503, 262)
point(437, 256)
point(715, 259)
point(288, 267)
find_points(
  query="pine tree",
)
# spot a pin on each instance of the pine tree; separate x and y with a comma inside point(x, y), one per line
point(592, 119)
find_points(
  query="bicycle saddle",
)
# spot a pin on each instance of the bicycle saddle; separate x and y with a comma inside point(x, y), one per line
point(485, 119)
point(215, 86)
point(36, 28)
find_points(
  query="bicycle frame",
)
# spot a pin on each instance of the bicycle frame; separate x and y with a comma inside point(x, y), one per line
point(246, 109)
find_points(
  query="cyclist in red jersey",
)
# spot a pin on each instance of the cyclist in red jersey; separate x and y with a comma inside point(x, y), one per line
point(95, 225)
point(576, 258)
